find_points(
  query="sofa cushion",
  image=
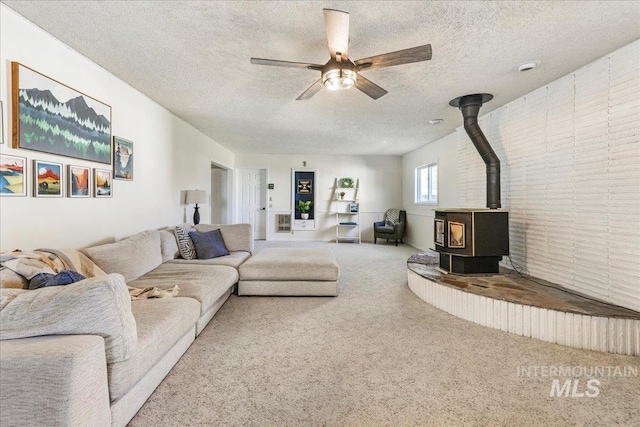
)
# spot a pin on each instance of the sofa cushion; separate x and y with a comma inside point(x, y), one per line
point(209, 244)
point(168, 245)
point(237, 237)
point(161, 323)
point(234, 259)
point(293, 264)
point(387, 229)
point(132, 257)
point(185, 244)
point(95, 306)
point(204, 283)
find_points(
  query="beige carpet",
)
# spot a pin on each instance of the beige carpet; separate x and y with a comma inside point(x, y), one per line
point(375, 355)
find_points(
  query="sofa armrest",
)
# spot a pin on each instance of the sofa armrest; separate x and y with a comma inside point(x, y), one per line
point(95, 306)
point(237, 237)
point(54, 380)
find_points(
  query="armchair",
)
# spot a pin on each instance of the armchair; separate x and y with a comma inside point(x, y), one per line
point(390, 228)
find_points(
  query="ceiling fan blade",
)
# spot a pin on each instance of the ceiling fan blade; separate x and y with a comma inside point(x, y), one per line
point(370, 88)
point(276, 63)
point(406, 56)
point(336, 23)
point(313, 89)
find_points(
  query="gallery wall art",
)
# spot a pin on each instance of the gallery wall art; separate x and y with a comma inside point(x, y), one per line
point(79, 181)
point(122, 159)
point(53, 118)
point(304, 186)
point(102, 183)
point(13, 171)
point(48, 179)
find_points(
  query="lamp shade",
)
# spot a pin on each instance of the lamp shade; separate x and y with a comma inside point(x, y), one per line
point(196, 196)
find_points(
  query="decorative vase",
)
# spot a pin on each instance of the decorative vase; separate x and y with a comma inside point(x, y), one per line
point(304, 215)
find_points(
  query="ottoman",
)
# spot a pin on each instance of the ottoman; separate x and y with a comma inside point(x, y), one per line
point(290, 272)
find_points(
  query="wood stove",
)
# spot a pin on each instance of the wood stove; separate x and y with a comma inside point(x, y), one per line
point(471, 241)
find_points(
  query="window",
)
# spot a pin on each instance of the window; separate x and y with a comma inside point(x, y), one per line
point(427, 183)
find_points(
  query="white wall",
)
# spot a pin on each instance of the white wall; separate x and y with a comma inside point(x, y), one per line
point(419, 231)
point(170, 155)
point(570, 158)
point(379, 177)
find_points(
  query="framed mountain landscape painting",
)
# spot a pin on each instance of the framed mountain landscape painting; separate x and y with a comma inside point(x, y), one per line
point(122, 159)
point(47, 179)
point(13, 175)
point(53, 118)
point(79, 181)
point(102, 183)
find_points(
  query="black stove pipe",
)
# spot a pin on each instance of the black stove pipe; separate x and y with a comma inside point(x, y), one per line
point(470, 106)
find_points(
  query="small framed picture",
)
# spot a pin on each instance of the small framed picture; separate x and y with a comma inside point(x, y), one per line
point(353, 207)
point(102, 183)
point(122, 159)
point(439, 232)
point(304, 186)
point(47, 179)
point(13, 175)
point(79, 181)
point(456, 235)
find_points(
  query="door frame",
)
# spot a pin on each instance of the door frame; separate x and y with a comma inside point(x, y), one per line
point(230, 193)
point(265, 195)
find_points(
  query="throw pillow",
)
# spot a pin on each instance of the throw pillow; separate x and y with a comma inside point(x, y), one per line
point(65, 277)
point(209, 244)
point(168, 245)
point(185, 244)
point(392, 217)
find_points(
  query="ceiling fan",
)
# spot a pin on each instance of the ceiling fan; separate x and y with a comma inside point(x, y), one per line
point(342, 73)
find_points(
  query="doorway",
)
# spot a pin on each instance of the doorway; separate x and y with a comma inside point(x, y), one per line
point(221, 206)
point(252, 197)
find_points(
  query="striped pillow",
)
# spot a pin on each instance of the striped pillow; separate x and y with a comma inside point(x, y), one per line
point(185, 244)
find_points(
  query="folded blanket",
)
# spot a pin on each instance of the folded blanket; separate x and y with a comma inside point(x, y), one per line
point(53, 261)
point(76, 261)
point(28, 264)
point(50, 261)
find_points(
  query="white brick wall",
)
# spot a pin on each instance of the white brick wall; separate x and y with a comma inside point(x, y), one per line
point(570, 158)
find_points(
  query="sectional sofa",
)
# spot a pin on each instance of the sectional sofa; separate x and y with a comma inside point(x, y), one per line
point(92, 356)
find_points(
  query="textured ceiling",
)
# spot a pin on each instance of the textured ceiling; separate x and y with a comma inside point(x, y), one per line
point(192, 57)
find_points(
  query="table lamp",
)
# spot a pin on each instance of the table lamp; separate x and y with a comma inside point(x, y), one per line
point(196, 196)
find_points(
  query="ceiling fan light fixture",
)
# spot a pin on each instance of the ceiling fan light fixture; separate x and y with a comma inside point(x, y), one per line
point(339, 79)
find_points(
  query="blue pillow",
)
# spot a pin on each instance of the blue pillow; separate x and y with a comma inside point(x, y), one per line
point(65, 277)
point(209, 245)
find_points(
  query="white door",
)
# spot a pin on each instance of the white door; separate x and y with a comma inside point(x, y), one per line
point(252, 200)
point(219, 196)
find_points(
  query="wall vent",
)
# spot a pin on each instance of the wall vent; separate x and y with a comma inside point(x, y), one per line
point(283, 223)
